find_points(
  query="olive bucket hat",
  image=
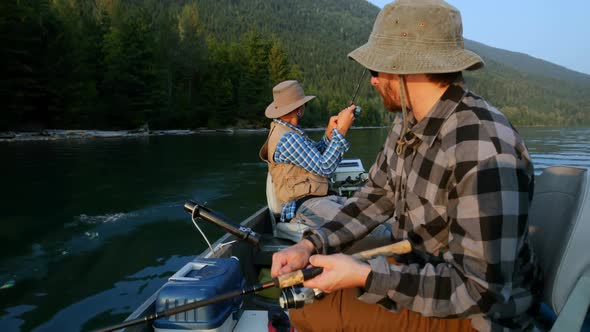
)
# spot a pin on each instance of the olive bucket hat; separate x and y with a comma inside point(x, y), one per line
point(417, 37)
point(288, 96)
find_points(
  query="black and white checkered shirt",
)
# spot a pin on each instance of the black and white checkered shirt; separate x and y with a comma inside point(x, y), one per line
point(460, 192)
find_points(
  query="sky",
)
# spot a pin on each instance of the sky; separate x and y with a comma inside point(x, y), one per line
point(555, 31)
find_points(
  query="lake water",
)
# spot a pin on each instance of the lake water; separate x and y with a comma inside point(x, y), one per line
point(91, 228)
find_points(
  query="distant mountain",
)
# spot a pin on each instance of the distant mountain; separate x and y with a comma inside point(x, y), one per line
point(121, 64)
point(318, 34)
point(526, 63)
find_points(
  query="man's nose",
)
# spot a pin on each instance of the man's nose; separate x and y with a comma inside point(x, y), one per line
point(374, 81)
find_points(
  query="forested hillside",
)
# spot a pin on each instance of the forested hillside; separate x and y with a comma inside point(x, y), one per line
point(531, 91)
point(120, 64)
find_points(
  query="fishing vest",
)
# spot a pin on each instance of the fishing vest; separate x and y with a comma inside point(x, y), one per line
point(290, 182)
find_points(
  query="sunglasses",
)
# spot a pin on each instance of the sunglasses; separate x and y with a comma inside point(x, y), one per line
point(373, 73)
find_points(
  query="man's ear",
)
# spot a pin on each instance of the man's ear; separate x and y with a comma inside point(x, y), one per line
point(299, 110)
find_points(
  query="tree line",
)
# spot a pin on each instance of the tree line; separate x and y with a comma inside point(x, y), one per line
point(117, 65)
point(122, 64)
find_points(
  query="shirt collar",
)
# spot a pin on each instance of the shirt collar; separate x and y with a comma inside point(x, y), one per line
point(427, 129)
point(285, 123)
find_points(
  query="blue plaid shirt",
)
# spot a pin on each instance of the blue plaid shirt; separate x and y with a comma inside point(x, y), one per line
point(321, 158)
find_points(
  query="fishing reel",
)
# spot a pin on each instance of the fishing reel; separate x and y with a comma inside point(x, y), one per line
point(296, 297)
point(357, 112)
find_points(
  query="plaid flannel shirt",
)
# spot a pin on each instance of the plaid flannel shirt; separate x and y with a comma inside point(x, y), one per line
point(321, 158)
point(460, 192)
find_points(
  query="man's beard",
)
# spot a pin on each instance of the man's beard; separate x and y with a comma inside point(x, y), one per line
point(391, 100)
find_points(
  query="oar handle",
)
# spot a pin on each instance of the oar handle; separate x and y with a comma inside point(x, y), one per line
point(243, 233)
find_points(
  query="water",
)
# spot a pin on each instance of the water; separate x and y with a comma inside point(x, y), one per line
point(91, 228)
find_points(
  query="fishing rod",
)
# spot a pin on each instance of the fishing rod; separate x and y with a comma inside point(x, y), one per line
point(282, 281)
point(357, 110)
point(358, 86)
point(296, 297)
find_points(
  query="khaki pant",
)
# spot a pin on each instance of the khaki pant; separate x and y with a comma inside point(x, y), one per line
point(342, 311)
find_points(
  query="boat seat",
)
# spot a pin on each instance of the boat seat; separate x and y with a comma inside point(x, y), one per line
point(560, 229)
point(271, 244)
point(274, 205)
point(289, 231)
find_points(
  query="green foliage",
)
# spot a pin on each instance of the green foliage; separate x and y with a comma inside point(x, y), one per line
point(28, 32)
point(115, 64)
point(530, 100)
point(278, 64)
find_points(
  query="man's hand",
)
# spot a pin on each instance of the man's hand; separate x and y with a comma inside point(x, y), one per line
point(340, 271)
point(331, 125)
point(292, 258)
point(345, 119)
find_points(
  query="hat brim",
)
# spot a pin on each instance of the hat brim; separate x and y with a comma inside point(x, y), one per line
point(395, 60)
point(273, 111)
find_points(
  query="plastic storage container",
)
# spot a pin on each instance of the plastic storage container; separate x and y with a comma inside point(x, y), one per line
point(198, 280)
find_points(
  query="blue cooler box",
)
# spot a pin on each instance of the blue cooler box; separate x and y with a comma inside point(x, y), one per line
point(199, 280)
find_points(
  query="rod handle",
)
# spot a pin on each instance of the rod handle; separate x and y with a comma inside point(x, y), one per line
point(297, 277)
point(398, 248)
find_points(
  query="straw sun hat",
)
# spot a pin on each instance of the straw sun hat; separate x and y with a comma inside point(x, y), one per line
point(288, 96)
point(417, 37)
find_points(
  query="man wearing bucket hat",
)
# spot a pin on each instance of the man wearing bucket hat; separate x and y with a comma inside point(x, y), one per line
point(298, 166)
point(454, 178)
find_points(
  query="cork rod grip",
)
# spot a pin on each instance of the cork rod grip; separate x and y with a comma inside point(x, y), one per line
point(297, 277)
point(398, 248)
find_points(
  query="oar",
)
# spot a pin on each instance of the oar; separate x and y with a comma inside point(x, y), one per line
point(282, 281)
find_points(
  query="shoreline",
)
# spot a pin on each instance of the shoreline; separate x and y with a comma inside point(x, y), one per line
point(62, 134)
